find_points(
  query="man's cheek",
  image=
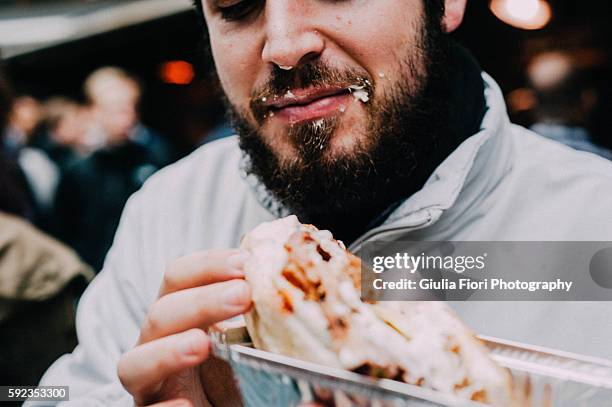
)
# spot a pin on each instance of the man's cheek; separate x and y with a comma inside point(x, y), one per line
point(232, 69)
point(227, 83)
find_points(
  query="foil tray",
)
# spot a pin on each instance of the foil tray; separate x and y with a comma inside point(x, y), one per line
point(547, 378)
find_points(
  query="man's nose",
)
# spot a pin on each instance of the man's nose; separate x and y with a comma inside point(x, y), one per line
point(291, 39)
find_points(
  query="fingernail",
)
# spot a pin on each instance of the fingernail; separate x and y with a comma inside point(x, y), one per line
point(191, 344)
point(237, 293)
point(236, 261)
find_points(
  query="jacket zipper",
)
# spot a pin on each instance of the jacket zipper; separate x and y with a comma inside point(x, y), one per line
point(356, 246)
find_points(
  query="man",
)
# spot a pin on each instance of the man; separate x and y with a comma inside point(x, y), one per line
point(359, 117)
point(93, 191)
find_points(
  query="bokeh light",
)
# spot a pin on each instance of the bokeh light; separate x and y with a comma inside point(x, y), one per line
point(177, 72)
point(524, 14)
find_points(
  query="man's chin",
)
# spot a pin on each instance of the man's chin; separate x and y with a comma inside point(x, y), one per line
point(347, 142)
point(321, 141)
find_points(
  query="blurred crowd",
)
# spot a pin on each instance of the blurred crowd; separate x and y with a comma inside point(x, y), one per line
point(81, 162)
point(66, 171)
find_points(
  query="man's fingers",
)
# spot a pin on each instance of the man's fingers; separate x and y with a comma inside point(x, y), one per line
point(198, 290)
point(203, 268)
point(142, 370)
point(195, 308)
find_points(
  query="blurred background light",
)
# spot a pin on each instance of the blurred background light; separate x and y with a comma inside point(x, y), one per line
point(548, 69)
point(30, 30)
point(525, 14)
point(177, 72)
point(521, 100)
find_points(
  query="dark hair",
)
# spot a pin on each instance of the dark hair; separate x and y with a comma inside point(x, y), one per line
point(434, 11)
point(198, 6)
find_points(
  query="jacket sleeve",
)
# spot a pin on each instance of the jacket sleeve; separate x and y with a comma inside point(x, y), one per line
point(108, 322)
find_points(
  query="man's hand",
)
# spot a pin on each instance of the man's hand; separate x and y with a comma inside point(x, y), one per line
point(198, 291)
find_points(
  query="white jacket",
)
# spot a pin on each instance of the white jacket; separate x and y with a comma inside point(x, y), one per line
point(503, 183)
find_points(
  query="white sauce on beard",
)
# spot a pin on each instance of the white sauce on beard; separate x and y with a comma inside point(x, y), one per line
point(359, 93)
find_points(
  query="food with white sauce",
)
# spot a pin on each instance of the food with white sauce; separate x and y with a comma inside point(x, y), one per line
point(306, 296)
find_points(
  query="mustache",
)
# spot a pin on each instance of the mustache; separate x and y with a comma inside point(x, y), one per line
point(311, 74)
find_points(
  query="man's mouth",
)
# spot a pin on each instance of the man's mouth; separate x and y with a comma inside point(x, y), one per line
point(299, 105)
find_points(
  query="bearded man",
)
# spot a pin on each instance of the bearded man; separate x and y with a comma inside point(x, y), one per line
point(359, 116)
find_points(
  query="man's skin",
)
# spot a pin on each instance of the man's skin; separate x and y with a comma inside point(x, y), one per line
point(204, 288)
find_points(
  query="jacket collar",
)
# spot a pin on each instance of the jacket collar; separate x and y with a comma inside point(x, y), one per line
point(474, 167)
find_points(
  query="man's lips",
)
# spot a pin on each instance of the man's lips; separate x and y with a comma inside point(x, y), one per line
point(300, 97)
point(308, 104)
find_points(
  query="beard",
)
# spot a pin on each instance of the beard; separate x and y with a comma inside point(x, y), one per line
point(407, 135)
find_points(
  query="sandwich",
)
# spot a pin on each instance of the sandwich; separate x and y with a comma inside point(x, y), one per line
point(306, 305)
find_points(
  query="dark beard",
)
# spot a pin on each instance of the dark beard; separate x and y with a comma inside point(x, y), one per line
point(408, 135)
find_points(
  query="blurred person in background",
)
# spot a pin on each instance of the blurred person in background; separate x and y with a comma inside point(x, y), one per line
point(65, 124)
point(40, 281)
point(40, 172)
point(23, 120)
point(57, 145)
point(92, 193)
point(567, 93)
point(30, 166)
point(15, 196)
point(113, 96)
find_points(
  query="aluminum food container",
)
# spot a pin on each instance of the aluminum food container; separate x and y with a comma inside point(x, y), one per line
point(545, 378)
